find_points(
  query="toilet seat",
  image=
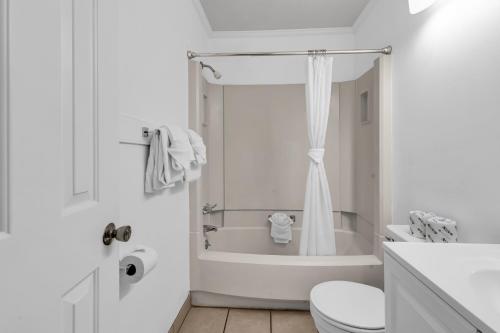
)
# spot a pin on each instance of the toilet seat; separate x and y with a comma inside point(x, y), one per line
point(350, 306)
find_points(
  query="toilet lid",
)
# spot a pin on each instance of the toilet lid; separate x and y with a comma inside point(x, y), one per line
point(352, 304)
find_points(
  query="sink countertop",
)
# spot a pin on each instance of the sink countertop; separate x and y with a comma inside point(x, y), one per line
point(466, 276)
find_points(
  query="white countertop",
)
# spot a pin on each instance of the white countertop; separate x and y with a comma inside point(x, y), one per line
point(466, 276)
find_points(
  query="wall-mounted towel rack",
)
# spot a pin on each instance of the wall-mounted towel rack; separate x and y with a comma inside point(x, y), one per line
point(130, 127)
point(146, 132)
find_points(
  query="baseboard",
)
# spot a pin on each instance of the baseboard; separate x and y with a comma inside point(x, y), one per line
point(176, 326)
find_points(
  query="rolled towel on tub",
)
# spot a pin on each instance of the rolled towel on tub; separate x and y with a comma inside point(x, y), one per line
point(417, 223)
point(441, 230)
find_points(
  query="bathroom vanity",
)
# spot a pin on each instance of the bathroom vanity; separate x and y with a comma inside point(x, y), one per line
point(451, 288)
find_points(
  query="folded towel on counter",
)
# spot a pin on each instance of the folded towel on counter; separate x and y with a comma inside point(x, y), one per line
point(441, 230)
point(281, 228)
point(159, 174)
point(417, 222)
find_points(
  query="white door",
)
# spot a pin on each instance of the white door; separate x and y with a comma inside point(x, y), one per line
point(59, 157)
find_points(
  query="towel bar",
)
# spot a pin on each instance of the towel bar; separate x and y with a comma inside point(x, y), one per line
point(146, 131)
point(292, 217)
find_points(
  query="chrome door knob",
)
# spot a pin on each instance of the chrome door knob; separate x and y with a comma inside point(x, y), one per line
point(121, 234)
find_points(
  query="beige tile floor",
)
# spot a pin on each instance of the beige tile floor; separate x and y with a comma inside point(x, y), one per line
point(221, 320)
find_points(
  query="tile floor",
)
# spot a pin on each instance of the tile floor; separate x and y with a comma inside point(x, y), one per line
point(221, 320)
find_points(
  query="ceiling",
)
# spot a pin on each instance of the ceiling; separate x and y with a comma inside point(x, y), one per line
point(248, 15)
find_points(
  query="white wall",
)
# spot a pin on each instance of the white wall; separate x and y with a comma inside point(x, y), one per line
point(153, 38)
point(446, 66)
point(277, 70)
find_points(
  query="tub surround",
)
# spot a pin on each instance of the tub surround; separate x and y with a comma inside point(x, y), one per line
point(465, 276)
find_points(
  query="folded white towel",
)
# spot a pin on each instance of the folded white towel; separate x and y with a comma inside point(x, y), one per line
point(199, 148)
point(417, 222)
point(180, 151)
point(441, 230)
point(158, 171)
point(281, 228)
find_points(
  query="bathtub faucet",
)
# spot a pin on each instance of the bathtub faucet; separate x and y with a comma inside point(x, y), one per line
point(208, 228)
point(208, 208)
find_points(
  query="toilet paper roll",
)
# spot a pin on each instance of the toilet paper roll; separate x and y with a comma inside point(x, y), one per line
point(441, 230)
point(418, 221)
point(138, 264)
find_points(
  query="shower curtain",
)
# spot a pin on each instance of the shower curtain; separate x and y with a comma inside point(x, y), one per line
point(318, 237)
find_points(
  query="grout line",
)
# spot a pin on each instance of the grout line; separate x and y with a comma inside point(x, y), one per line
point(270, 321)
point(225, 323)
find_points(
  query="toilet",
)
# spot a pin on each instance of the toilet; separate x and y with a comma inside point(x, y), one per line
point(347, 307)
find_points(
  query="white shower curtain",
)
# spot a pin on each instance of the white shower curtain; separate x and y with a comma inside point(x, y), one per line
point(318, 237)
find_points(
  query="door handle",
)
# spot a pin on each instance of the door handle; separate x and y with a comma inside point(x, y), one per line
point(121, 234)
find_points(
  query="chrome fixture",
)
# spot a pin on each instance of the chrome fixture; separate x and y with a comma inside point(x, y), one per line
point(121, 234)
point(208, 209)
point(192, 55)
point(146, 131)
point(208, 228)
point(216, 74)
point(292, 217)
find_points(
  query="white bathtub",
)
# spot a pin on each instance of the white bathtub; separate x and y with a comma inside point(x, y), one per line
point(244, 268)
point(256, 240)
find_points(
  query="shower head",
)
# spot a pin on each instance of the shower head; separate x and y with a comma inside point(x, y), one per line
point(216, 74)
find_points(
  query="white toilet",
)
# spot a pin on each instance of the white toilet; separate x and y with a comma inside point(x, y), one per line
point(349, 307)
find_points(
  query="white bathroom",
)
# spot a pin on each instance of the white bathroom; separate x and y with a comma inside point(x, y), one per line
point(215, 166)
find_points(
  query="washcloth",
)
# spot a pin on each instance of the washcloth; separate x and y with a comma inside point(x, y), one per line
point(417, 222)
point(281, 228)
point(441, 230)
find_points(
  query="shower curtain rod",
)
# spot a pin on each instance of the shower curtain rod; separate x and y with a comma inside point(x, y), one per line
point(192, 55)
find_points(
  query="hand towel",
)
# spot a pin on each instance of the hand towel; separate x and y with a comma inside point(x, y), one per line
point(180, 151)
point(281, 228)
point(441, 230)
point(199, 148)
point(158, 171)
point(417, 222)
point(200, 154)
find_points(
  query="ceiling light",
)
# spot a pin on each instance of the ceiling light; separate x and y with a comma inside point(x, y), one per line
point(416, 6)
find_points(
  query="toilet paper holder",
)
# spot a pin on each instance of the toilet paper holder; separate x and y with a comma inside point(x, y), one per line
point(121, 234)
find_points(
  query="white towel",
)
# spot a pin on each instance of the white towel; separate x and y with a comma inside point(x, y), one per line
point(180, 151)
point(158, 171)
point(281, 228)
point(199, 148)
point(417, 222)
point(441, 230)
point(200, 154)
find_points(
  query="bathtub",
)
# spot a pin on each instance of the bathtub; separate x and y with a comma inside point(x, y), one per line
point(244, 268)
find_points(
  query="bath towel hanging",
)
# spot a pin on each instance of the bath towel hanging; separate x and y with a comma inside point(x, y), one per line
point(159, 174)
point(317, 236)
point(180, 151)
